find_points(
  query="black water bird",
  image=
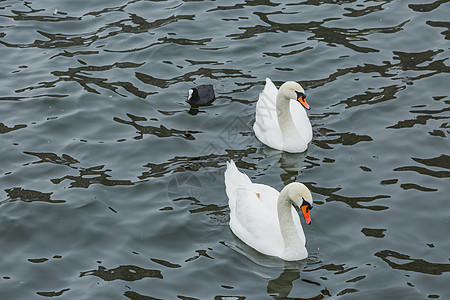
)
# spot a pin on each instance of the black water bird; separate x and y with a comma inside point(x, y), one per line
point(201, 95)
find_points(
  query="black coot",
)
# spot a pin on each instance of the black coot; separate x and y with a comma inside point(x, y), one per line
point(201, 95)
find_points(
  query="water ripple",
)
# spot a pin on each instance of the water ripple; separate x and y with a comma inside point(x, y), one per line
point(91, 175)
point(427, 7)
point(102, 159)
point(127, 273)
point(160, 131)
point(79, 75)
point(20, 194)
point(393, 259)
point(6, 129)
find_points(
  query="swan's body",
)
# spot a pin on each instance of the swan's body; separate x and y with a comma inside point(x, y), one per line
point(281, 121)
point(264, 218)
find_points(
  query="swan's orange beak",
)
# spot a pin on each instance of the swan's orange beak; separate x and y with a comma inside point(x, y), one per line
point(302, 100)
point(305, 211)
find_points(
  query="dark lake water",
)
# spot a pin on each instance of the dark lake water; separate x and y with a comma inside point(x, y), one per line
point(111, 186)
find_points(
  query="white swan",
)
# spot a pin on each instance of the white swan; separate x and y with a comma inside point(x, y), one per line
point(265, 219)
point(282, 123)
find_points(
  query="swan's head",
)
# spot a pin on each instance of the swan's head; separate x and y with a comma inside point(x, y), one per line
point(301, 196)
point(293, 90)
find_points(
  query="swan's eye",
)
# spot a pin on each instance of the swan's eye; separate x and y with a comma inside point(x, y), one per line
point(301, 96)
point(307, 204)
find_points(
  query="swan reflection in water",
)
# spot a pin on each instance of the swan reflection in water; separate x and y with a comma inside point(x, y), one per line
point(291, 163)
point(264, 265)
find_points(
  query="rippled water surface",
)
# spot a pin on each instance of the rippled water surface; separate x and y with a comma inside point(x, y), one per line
point(112, 185)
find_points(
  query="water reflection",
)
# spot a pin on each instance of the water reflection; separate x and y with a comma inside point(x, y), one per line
point(393, 259)
point(48, 157)
point(291, 163)
point(160, 131)
point(431, 114)
point(418, 120)
point(200, 253)
point(377, 233)
point(127, 273)
point(209, 209)
point(280, 287)
point(22, 15)
point(336, 269)
point(406, 61)
point(408, 186)
point(364, 11)
point(442, 161)
point(424, 171)
point(213, 74)
point(345, 139)
point(165, 263)
point(78, 57)
point(6, 129)
point(196, 163)
point(353, 202)
point(92, 175)
point(25, 195)
point(427, 7)
point(80, 76)
point(446, 25)
point(330, 35)
point(53, 294)
point(385, 93)
point(136, 296)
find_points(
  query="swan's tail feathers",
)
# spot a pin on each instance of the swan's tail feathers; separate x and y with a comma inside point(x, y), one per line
point(270, 90)
point(266, 111)
point(267, 100)
point(235, 180)
point(234, 177)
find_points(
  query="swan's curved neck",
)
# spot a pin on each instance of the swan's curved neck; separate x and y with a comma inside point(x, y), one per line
point(285, 121)
point(289, 232)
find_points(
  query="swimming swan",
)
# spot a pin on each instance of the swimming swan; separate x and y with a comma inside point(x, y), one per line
point(265, 219)
point(281, 122)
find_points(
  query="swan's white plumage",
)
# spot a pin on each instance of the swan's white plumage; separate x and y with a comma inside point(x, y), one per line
point(254, 215)
point(267, 128)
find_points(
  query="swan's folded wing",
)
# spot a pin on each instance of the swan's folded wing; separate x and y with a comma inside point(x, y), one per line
point(255, 224)
point(234, 179)
point(268, 195)
point(266, 110)
point(270, 90)
point(266, 121)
